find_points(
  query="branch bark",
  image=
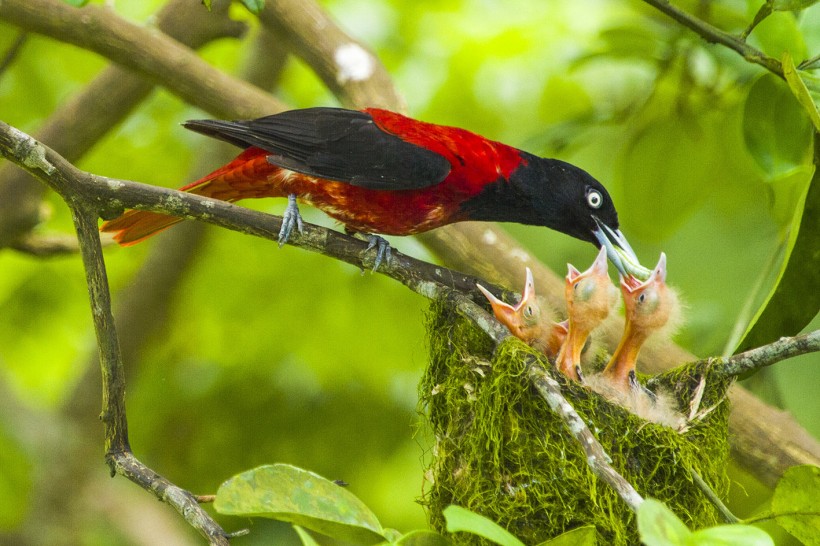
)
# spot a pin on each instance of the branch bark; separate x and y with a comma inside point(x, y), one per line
point(760, 357)
point(157, 57)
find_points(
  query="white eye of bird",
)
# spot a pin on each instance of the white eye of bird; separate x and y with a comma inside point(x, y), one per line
point(642, 297)
point(595, 199)
point(528, 311)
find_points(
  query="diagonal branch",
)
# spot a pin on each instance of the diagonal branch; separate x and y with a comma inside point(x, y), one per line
point(597, 459)
point(760, 357)
point(714, 35)
point(143, 50)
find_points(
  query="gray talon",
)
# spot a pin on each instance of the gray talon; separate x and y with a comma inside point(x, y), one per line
point(383, 250)
point(290, 218)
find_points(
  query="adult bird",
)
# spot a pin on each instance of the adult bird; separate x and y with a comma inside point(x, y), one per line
point(379, 172)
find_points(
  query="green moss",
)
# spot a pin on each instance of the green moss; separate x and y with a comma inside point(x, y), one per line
point(501, 452)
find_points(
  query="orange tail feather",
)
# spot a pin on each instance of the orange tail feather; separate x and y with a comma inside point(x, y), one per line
point(243, 177)
point(137, 225)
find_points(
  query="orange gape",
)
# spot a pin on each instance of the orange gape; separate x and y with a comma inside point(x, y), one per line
point(527, 322)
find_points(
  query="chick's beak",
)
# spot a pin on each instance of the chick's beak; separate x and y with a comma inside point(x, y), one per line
point(619, 251)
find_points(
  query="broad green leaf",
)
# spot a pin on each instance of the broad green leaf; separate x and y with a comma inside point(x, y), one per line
point(775, 127)
point(422, 537)
point(304, 536)
point(794, 299)
point(800, 90)
point(797, 498)
point(254, 6)
point(780, 32)
point(288, 493)
point(582, 536)
point(76, 3)
point(730, 535)
point(461, 519)
point(666, 171)
point(659, 526)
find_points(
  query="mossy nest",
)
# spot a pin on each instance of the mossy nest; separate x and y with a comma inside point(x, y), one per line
point(501, 452)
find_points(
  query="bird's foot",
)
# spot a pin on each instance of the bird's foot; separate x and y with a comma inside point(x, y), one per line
point(290, 219)
point(383, 250)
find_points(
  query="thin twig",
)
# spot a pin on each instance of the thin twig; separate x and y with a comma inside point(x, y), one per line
point(714, 35)
point(13, 50)
point(597, 458)
point(47, 246)
point(760, 357)
point(727, 514)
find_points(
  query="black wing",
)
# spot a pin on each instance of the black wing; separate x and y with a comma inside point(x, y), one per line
point(336, 144)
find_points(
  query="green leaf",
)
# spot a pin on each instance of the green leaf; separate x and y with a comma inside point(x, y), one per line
point(793, 301)
point(665, 171)
point(798, 491)
point(775, 127)
point(798, 87)
point(582, 536)
point(207, 4)
point(659, 526)
point(730, 535)
point(461, 519)
point(422, 537)
point(76, 3)
point(254, 6)
point(288, 493)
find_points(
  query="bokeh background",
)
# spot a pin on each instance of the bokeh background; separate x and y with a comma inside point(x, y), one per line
point(277, 355)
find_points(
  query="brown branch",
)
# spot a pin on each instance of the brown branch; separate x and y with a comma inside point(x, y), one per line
point(150, 53)
point(84, 119)
point(346, 66)
point(760, 357)
point(714, 35)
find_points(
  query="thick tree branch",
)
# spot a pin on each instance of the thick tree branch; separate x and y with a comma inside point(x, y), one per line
point(149, 52)
point(714, 35)
point(346, 66)
point(760, 357)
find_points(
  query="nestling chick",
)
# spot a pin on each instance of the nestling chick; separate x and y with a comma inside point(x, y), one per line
point(590, 297)
point(649, 305)
point(527, 322)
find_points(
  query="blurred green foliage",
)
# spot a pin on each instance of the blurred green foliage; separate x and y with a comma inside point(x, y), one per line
point(279, 356)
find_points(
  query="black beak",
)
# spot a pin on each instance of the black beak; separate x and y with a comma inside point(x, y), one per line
point(619, 252)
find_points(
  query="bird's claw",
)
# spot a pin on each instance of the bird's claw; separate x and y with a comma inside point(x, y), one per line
point(383, 250)
point(290, 219)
